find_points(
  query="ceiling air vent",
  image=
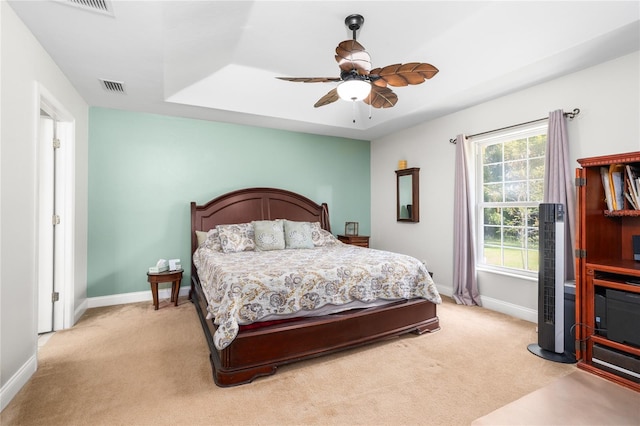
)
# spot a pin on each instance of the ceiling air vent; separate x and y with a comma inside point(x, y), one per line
point(112, 86)
point(100, 6)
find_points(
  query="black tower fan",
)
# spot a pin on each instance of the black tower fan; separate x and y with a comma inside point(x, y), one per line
point(551, 275)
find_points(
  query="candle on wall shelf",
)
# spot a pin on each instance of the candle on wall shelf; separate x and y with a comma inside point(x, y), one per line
point(402, 164)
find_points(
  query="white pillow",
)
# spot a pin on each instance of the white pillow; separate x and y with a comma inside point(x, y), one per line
point(298, 235)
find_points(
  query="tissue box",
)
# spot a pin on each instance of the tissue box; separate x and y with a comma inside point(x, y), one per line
point(158, 269)
point(174, 265)
point(161, 266)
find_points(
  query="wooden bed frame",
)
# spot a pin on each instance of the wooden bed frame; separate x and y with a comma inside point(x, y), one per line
point(258, 352)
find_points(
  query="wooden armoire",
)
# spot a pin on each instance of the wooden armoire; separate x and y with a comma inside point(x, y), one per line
point(607, 276)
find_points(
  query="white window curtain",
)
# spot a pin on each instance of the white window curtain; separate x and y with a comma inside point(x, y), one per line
point(558, 182)
point(465, 284)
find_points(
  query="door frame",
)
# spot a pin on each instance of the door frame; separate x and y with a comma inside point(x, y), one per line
point(64, 314)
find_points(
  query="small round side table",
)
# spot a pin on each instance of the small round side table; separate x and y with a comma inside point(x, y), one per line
point(174, 277)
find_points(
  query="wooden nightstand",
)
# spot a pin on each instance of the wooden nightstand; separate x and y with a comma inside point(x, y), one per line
point(356, 240)
point(173, 277)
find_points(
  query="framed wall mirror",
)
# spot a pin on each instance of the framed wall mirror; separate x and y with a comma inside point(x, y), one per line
point(407, 194)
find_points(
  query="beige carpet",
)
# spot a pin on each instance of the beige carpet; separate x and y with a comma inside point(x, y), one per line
point(131, 365)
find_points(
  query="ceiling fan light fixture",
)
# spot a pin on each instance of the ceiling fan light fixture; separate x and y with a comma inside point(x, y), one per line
point(354, 90)
point(356, 74)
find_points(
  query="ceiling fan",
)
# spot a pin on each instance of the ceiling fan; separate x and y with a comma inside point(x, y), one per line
point(358, 82)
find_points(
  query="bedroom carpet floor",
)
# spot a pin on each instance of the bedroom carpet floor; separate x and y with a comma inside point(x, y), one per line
point(131, 365)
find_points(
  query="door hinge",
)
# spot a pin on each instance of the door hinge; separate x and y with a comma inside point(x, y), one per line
point(581, 253)
point(56, 143)
point(580, 181)
point(55, 296)
point(55, 219)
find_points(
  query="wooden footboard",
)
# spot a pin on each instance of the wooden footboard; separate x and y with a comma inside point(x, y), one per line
point(259, 352)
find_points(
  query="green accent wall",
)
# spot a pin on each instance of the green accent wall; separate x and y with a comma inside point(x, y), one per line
point(145, 169)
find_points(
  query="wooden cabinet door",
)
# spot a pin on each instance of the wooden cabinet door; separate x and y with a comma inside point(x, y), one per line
point(580, 247)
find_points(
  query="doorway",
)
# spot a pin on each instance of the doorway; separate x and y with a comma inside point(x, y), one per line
point(55, 286)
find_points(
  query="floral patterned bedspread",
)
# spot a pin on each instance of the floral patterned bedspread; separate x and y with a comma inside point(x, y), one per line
point(244, 287)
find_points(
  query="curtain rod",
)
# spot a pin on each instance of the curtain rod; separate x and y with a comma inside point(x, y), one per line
point(571, 116)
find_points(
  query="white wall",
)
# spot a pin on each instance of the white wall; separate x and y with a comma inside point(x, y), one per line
point(25, 66)
point(608, 96)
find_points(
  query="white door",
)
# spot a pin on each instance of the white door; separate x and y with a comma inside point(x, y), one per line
point(46, 227)
point(51, 249)
point(56, 294)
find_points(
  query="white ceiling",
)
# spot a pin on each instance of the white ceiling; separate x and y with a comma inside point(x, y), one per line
point(217, 60)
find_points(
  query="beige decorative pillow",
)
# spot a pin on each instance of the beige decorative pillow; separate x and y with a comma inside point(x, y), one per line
point(268, 234)
point(201, 236)
point(236, 237)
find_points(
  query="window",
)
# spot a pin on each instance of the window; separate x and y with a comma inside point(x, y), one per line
point(510, 181)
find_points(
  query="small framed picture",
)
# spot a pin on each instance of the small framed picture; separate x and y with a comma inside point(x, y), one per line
point(351, 228)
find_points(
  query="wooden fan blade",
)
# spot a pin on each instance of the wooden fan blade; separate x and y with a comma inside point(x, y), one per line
point(327, 99)
point(351, 55)
point(398, 75)
point(310, 79)
point(381, 97)
point(347, 47)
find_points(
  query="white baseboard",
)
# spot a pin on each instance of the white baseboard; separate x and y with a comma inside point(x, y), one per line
point(517, 311)
point(139, 296)
point(501, 306)
point(17, 381)
point(444, 290)
point(80, 310)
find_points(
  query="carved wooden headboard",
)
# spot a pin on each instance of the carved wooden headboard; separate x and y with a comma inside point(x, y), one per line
point(249, 204)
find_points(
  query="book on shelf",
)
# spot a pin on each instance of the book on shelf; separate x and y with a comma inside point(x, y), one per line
point(633, 185)
point(631, 201)
point(621, 182)
point(604, 173)
point(616, 184)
